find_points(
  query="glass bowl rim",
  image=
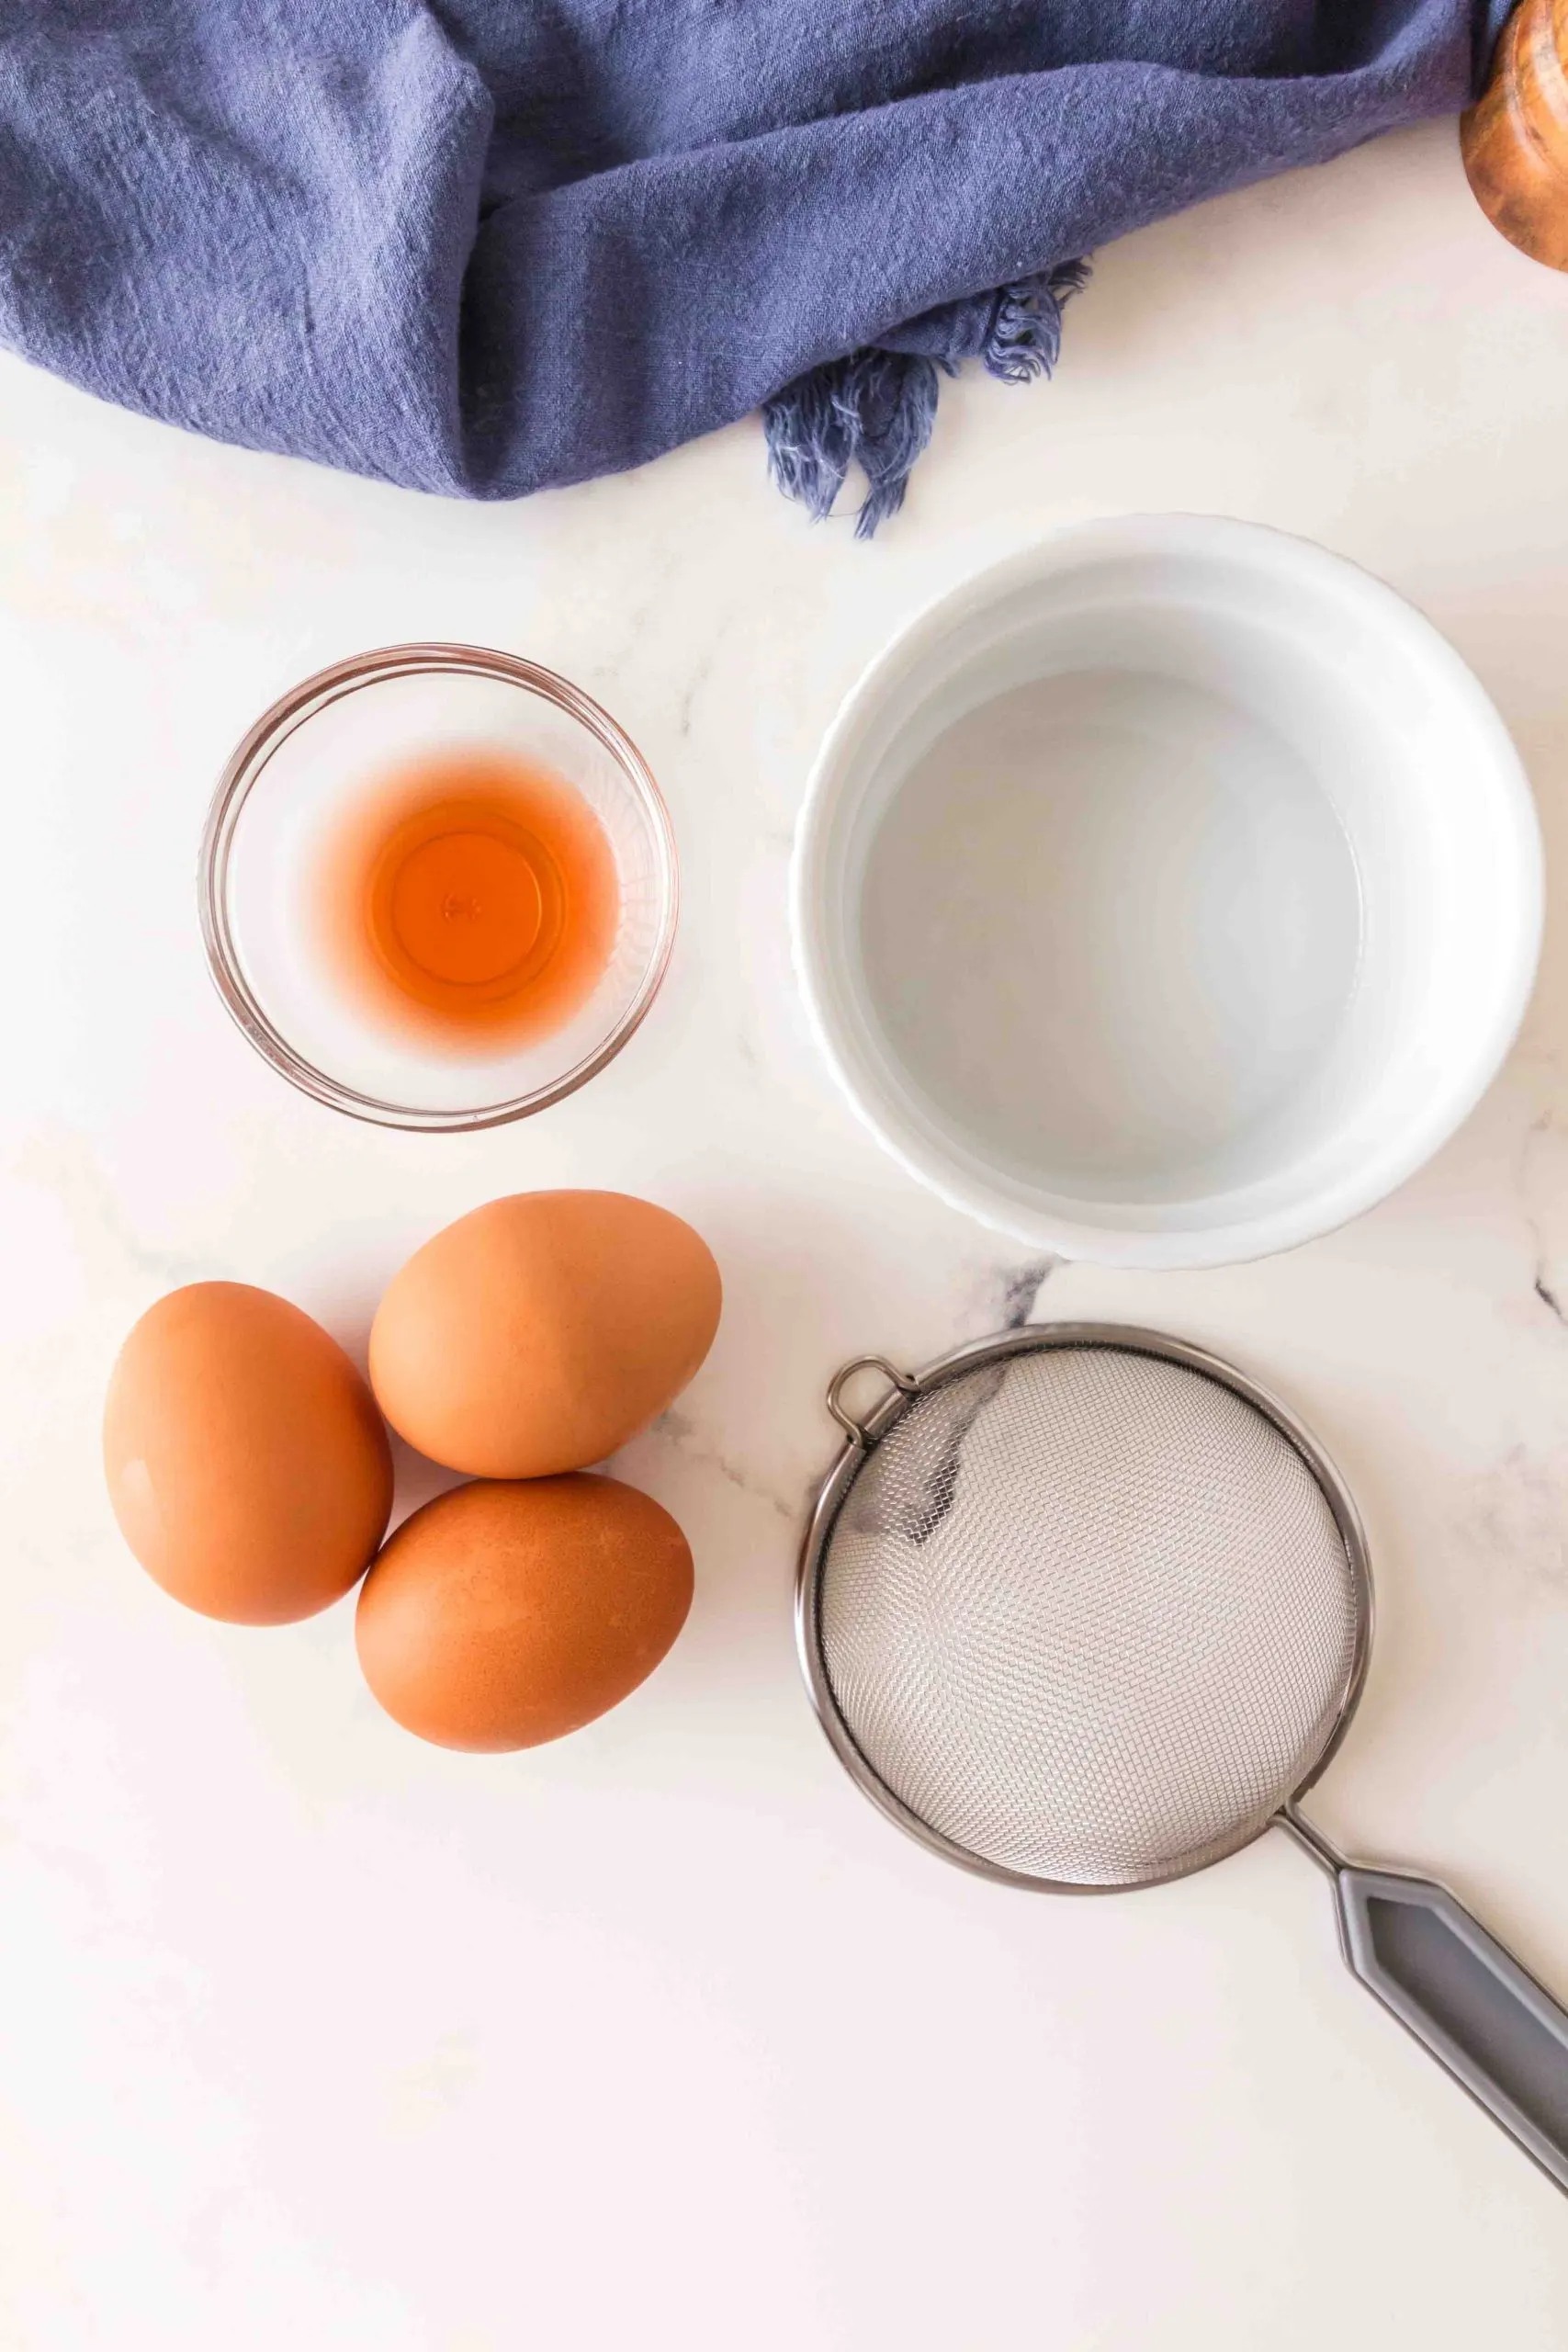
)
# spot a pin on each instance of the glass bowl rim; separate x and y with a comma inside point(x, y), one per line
point(246, 766)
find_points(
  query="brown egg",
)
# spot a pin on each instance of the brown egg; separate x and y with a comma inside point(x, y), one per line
point(246, 1462)
point(539, 1333)
point(506, 1614)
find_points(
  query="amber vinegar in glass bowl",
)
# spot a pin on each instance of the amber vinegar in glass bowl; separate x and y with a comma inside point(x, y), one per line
point(438, 887)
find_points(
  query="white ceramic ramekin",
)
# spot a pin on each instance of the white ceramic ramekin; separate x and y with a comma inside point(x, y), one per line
point(1167, 895)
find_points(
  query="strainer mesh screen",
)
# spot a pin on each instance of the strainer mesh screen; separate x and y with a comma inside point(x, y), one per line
point(1088, 1614)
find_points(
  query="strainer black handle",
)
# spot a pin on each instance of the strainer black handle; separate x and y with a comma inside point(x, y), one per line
point(1474, 2007)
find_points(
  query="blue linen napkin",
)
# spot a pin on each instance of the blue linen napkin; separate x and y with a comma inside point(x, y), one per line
point(476, 246)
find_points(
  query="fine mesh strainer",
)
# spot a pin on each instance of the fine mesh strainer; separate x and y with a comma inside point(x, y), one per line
point(1082, 1608)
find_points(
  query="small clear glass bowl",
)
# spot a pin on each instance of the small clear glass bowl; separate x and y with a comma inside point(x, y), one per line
point(289, 787)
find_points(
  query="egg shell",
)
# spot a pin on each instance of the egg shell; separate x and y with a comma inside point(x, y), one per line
point(247, 1465)
point(540, 1332)
point(506, 1614)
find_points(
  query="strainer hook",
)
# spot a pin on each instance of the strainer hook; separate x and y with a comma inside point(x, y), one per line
point(856, 1430)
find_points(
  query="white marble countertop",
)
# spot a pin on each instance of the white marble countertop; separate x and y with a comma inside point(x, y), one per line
point(660, 2037)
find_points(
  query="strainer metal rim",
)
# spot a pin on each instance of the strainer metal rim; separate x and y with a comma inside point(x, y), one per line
point(1033, 1338)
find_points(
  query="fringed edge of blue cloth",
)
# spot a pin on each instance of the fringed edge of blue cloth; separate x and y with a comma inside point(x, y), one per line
point(875, 408)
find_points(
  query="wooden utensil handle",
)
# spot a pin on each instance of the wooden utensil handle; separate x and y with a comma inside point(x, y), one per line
point(1515, 139)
